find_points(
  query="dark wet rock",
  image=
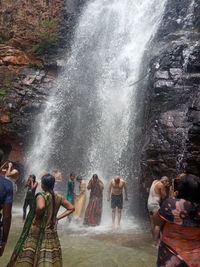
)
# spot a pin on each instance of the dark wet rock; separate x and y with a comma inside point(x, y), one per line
point(170, 129)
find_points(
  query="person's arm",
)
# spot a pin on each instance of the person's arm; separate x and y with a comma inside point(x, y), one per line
point(163, 192)
point(109, 191)
point(172, 194)
point(11, 172)
point(89, 185)
point(69, 209)
point(7, 216)
point(126, 191)
point(34, 185)
point(27, 183)
point(101, 185)
point(40, 205)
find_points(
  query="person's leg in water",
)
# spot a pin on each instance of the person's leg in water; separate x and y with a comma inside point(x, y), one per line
point(155, 230)
point(119, 215)
point(70, 218)
point(113, 217)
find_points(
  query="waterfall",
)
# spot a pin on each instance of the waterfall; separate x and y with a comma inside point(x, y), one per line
point(85, 125)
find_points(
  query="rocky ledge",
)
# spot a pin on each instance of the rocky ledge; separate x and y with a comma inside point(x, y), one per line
point(171, 127)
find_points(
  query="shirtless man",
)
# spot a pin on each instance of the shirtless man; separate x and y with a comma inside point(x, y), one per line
point(156, 195)
point(115, 193)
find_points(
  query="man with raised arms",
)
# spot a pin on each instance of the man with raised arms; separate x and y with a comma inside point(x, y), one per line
point(115, 193)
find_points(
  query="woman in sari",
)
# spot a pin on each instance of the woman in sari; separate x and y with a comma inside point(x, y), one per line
point(94, 208)
point(80, 199)
point(38, 245)
point(179, 218)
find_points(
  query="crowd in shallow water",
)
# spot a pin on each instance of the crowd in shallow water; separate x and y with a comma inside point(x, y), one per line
point(38, 244)
point(174, 209)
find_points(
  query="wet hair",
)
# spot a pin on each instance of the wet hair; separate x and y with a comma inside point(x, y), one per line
point(48, 182)
point(188, 187)
point(164, 178)
point(33, 177)
point(95, 176)
point(79, 178)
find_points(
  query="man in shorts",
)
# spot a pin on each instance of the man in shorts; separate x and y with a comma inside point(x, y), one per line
point(157, 194)
point(115, 193)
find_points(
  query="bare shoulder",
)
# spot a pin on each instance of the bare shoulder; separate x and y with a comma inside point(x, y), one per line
point(58, 196)
point(159, 185)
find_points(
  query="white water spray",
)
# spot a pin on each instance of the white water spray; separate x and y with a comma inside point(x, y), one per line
point(109, 43)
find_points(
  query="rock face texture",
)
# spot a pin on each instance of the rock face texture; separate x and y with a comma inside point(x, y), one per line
point(24, 20)
point(171, 126)
point(33, 37)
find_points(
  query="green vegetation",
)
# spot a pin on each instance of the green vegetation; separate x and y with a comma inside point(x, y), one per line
point(47, 34)
point(8, 84)
point(36, 65)
point(2, 92)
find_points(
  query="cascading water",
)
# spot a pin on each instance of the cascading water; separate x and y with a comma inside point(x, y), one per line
point(85, 125)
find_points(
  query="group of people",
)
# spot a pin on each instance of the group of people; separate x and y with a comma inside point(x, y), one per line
point(174, 209)
point(92, 216)
point(38, 244)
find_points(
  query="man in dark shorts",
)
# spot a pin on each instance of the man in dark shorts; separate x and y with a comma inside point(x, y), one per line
point(6, 199)
point(115, 193)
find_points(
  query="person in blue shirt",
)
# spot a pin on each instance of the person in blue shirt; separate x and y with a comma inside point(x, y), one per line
point(6, 199)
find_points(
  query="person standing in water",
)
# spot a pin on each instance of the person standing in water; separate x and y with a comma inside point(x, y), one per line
point(59, 181)
point(94, 208)
point(70, 191)
point(31, 185)
point(157, 194)
point(39, 244)
point(80, 199)
point(6, 199)
point(115, 193)
point(70, 188)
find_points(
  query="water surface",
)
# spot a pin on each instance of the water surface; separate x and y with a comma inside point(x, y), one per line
point(95, 247)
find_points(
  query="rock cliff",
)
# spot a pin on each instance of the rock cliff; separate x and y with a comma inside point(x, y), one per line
point(171, 115)
point(33, 37)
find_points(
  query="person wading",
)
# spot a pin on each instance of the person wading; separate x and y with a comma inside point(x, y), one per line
point(31, 184)
point(38, 245)
point(157, 194)
point(115, 193)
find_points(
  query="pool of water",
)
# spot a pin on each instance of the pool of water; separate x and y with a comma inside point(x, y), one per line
point(95, 247)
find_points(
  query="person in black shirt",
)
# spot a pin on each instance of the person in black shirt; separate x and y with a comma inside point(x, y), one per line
point(30, 194)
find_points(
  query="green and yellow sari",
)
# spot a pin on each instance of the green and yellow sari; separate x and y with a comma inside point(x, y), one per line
point(38, 245)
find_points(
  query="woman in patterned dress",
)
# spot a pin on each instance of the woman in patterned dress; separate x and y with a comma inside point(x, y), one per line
point(38, 245)
point(94, 208)
point(179, 218)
